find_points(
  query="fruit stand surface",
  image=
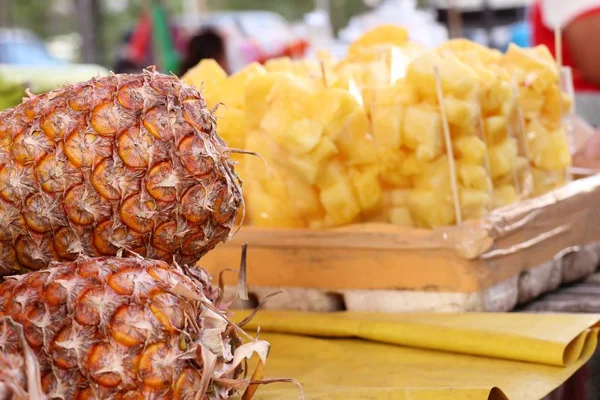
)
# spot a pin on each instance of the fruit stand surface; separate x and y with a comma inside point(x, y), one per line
point(423, 356)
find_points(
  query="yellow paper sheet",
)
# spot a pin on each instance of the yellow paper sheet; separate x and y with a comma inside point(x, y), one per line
point(423, 356)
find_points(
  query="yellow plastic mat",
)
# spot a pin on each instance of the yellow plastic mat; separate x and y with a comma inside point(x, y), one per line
point(423, 356)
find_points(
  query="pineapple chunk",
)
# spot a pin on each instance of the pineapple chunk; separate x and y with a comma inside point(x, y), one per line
point(460, 112)
point(332, 173)
point(356, 143)
point(473, 176)
point(366, 188)
point(280, 64)
point(387, 125)
point(502, 157)
point(401, 216)
point(232, 91)
point(435, 176)
point(231, 127)
point(473, 203)
point(303, 197)
point(556, 105)
point(207, 76)
point(301, 136)
point(395, 197)
point(307, 166)
point(469, 148)
point(384, 34)
point(269, 212)
point(207, 71)
point(332, 108)
point(504, 195)
point(546, 180)
point(277, 120)
point(422, 132)
point(412, 166)
point(340, 203)
point(497, 94)
point(457, 78)
point(495, 129)
point(548, 150)
point(537, 65)
point(257, 91)
point(392, 168)
point(531, 102)
point(429, 209)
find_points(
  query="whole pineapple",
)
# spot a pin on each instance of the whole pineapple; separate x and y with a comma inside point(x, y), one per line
point(126, 328)
point(119, 162)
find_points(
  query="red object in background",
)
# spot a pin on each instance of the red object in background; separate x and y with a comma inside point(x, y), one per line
point(542, 35)
point(140, 39)
point(294, 49)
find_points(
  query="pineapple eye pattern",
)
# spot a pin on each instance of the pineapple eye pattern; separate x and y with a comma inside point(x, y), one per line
point(123, 164)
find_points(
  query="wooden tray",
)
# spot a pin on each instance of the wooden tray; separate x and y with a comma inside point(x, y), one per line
point(492, 264)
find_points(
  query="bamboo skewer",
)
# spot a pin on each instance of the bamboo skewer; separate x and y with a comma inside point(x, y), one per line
point(448, 140)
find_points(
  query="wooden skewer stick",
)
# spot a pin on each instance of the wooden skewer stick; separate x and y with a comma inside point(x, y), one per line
point(323, 73)
point(558, 47)
point(521, 138)
point(483, 136)
point(448, 140)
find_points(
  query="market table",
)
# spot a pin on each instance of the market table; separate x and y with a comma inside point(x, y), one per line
point(350, 355)
point(581, 297)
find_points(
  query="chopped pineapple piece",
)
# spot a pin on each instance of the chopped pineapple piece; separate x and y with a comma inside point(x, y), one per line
point(367, 189)
point(495, 129)
point(231, 127)
point(301, 136)
point(548, 150)
point(401, 216)
point(430, 209)
point(303, 197)
point(502, 157)
point(422, 131)
point(469, 148)
point(472, 176)
point(504, 195)
point(473, 203)
point(460, 112)
point(457, 78)
point(387, 125)
point(340, 203)
point(206, 76)
point(356, 143)
point(257, 91)
point(332, 108)
point(332, 173)
point(232, 91)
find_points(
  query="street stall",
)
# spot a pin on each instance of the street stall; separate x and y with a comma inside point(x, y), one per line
point(390, 210)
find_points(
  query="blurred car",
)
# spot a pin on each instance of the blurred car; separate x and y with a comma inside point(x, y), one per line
point(250, 35)
point(23, 47)
point(25, 61)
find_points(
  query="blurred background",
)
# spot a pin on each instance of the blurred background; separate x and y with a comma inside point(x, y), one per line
point(46, 43)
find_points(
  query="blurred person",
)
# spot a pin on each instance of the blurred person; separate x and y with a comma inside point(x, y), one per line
point(579, 22)
point(208, 43)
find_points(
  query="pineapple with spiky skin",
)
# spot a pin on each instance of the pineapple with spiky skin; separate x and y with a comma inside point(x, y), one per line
point(127, 328)
point(123, 162)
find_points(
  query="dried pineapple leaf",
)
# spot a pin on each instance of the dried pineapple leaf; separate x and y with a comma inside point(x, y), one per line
point(258, 374)
point(32, 369)
point(209, 363)
point(258, 307)
point(242, 288)
point(260, 347)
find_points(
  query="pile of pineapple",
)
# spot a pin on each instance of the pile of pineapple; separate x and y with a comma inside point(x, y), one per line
point(393, 132)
